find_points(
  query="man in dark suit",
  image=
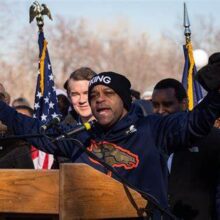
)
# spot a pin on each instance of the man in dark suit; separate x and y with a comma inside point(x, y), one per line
point(193, 172)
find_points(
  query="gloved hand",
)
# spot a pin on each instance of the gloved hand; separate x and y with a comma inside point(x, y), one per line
point(209, 75)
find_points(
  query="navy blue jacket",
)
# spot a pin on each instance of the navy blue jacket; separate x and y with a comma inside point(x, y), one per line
point(135, 146)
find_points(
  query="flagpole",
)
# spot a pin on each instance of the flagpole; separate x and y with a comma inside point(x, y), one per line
point(192, 87)
point(186, 24)
point(45, 105)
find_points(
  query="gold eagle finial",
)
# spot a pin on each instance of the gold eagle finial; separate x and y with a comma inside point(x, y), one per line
point(38, 11)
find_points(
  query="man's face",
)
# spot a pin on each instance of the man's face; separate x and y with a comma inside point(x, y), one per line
point(24, 112)
point(78, 94)
point(217, 123)
point(106, 105)
point(165, 102)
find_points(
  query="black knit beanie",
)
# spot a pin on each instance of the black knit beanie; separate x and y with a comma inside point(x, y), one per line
point(119, 83)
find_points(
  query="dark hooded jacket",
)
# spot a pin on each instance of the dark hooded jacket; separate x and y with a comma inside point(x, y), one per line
point(135, 146)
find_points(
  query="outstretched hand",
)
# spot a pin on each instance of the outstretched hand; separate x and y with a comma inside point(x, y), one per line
point(209, 75)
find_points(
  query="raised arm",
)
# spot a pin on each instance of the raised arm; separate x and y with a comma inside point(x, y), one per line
point(23, 125)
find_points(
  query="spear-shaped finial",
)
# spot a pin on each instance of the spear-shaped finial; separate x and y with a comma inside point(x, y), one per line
point(38, 11)
point(186, 24)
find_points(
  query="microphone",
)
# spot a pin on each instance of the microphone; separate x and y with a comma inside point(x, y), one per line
point(55, 121)
point(84, 127)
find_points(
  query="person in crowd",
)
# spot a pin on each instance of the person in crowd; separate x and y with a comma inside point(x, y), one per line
point(14, 152)
point(147, 95)
point(76, 87)
point(7, 98)
point(77, 91)
point(3, 128)
point(135, 95)
point(3, 92)
point(2, 97)
point(25, 110)
point(217, 123)
point(194, 171)
point(142, 106)
point(136, 147)
point(20, 101)
point(63, 105)
point(2, 88)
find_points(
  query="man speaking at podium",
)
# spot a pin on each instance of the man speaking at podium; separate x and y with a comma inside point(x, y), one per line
point(136, 147)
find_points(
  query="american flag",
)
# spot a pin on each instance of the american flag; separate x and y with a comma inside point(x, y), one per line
point(45, 106)
point(193, 88)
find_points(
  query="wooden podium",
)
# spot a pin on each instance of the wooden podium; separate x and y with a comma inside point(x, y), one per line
point(76, 191)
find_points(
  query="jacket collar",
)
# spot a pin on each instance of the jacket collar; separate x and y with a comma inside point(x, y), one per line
point(120, 130)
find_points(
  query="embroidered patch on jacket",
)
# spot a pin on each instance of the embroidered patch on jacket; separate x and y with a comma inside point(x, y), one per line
point(114, 155)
